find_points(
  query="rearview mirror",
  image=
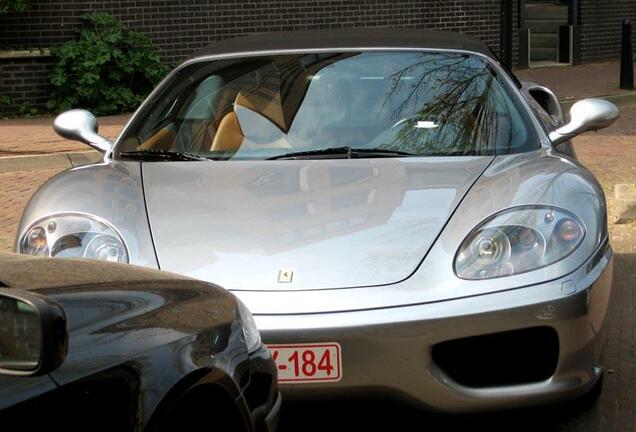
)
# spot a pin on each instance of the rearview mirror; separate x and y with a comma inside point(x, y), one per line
point(586, 115)
point(33, 334)
point(81, 125)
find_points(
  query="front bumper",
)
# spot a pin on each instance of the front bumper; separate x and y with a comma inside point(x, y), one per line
point(388, 352)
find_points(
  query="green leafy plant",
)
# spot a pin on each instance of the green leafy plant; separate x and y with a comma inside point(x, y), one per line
point(5, 102)
point(107, 68)
point(7, 6)
point(27, 110)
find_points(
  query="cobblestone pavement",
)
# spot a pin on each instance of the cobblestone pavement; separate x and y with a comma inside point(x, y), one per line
point(611, 156)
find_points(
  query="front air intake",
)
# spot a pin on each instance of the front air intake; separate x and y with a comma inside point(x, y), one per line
point(500, 359)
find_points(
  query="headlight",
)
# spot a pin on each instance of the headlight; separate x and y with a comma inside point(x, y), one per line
point(74, 236)
point(518, 240)
point(250, 331)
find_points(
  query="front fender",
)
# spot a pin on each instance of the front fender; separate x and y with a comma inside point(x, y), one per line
point(112, 191)
point(543, 177)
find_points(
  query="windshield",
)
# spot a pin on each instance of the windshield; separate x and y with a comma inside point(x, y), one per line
point(264, 107)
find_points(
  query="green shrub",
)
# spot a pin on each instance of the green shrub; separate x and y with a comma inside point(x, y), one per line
point(7, 6)
point(5, 102)
point(27, 110)
point(107, 69)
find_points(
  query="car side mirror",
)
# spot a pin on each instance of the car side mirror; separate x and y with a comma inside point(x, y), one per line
point(81, 125)
point(33, 333)
point(586, 115)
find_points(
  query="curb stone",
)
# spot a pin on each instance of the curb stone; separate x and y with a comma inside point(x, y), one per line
point(48, 161)
point(624, 202)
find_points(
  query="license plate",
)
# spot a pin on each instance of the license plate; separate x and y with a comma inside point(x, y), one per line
point(303, 363)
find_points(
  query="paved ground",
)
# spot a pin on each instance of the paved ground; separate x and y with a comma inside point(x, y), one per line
point(589, 80)
point(15, 190)
point(35, 136)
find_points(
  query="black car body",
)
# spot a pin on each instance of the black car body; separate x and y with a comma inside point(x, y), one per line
point(146, 351)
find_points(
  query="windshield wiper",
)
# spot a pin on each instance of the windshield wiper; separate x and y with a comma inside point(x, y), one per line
point(341, 153)
point(160, 155)
point(357, 152)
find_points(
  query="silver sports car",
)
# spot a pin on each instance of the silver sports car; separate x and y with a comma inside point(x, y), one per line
point(403, 216)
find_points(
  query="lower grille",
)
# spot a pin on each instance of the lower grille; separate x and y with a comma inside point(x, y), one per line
point(500, 359)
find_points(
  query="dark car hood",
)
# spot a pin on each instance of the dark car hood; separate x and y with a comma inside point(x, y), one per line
point(118, 312)
point(27, 272)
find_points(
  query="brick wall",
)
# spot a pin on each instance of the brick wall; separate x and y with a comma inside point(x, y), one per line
point(600, 22)
point(179, 27)
point(25, 80)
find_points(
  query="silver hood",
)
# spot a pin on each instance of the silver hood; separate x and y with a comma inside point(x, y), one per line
point(335, 223)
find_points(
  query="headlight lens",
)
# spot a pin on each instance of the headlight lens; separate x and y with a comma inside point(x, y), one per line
point(74, 236)
point(250, 331)
point(518, 240)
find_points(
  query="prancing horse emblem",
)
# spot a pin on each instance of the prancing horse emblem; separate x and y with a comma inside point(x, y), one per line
point(285, 275)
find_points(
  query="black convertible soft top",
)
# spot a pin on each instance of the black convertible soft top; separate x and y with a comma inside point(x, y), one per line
point(346, 38)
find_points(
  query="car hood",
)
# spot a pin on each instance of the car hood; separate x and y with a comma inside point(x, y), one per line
point(303, 224)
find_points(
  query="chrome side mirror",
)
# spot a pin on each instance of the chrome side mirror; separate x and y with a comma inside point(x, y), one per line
point(81, 125)
point(586, 115)
point(33, 334)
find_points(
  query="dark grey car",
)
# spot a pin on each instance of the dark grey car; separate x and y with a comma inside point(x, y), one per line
point(108, 347)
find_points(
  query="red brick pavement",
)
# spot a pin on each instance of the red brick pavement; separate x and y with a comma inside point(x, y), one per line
point(611, 155)
point(15, 190)
point(35, 136)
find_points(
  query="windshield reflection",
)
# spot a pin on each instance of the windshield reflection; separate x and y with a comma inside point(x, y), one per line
point(422, 103)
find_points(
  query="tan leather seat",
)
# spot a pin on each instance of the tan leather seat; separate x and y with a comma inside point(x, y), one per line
point(229, 136)
point(161, 140)
point(263, 101)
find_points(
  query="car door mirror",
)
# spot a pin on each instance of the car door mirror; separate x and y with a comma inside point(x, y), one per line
point(33, 333)
point(81, 125)
point(586, 115)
